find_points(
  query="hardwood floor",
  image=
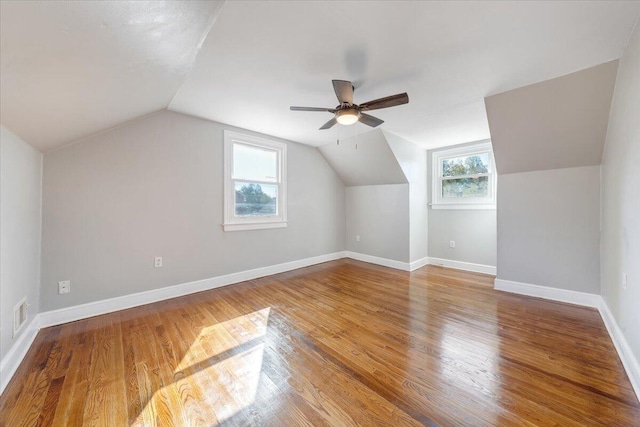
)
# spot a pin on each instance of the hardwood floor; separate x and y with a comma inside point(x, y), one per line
point(340, 343)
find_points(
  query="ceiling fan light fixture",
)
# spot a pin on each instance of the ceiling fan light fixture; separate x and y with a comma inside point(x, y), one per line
point(348, 113)
point(347, 116)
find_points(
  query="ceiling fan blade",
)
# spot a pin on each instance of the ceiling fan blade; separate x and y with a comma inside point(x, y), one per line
point(387, 101)
point(370, 120)
point(329, 124)
point(330, 110)
point(344, 91)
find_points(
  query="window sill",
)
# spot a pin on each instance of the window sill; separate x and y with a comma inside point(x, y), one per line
point(463, 206)
point(254, 226)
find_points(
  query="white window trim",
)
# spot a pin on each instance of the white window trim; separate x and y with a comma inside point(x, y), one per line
point(439, 202)
point(231, 221)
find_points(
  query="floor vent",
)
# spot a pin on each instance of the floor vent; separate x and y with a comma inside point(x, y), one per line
point(19, 316)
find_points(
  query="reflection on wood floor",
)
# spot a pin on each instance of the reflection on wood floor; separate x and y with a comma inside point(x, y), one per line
point(340, 343)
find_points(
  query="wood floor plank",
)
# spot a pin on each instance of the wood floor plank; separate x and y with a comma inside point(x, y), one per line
point(340, 343)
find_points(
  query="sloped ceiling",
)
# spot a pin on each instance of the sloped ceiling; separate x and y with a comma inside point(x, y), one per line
point(559, 123)
point(364, 160)
point(70, 69)
point(262, 57)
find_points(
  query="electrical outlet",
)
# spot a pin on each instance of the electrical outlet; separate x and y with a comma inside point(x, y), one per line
point(452, 243)
point(157, 262)
point(19, 316)
point(64, 287)
point(624, 281)
point(357, 238)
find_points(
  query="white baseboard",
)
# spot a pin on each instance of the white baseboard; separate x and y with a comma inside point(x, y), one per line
point(461, 265)
point(14, 357)
point(385, 262)
point(83, 311)
point(554, 294)
point(419, 263)
point(11, 361)
point(629, 361)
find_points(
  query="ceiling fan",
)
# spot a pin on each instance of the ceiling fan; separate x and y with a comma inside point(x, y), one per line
point(347, 113)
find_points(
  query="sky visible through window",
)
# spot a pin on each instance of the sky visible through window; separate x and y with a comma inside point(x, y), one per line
point(256, 164)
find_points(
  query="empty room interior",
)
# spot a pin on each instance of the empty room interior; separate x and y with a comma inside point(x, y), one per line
point(319, 213)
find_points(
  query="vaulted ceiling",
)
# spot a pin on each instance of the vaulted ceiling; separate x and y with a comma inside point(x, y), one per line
point(70, 69)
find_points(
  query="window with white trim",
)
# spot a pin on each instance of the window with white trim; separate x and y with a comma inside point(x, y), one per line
point(255, 182)
point(464, 177)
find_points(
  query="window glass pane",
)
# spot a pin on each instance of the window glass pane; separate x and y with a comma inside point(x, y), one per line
point(253, 163)
point(465, 187)
point(466, 165)
point(256, 199)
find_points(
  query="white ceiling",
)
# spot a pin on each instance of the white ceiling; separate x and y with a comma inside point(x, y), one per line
point(69, 69)
point(262, 57)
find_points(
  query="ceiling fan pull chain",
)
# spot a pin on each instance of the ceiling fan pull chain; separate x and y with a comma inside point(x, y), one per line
point(356, 130)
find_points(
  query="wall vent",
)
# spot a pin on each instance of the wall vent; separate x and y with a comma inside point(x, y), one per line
point(19, 316)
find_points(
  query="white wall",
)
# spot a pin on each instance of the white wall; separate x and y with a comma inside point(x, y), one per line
point(154, 188)
point(379, 214)
point(473, 230)
point(413, 161)
point(549, 228)
point(621, 198)
point(20, 224)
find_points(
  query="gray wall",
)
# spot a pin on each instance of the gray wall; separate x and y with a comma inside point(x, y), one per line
point(473, 230)
point(549, 228)
point(154, 187)
point(20, 222)
point(389, 215)
point(621, 199)
point(413, 161)
point(379, 214)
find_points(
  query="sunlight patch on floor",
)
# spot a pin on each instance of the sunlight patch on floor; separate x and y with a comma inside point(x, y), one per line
point(225, 357)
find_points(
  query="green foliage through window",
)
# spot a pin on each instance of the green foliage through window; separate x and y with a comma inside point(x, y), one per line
point(253, 200)
point(469, 165)
point(465, 187)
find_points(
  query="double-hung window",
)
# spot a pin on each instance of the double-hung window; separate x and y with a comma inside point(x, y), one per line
point(255, 192)
point(464, 177)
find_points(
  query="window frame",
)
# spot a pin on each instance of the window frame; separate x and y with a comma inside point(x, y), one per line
point(439, 202)
point(231, 222)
